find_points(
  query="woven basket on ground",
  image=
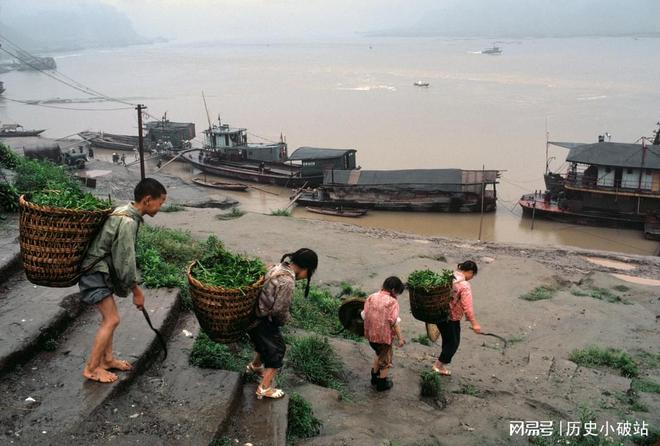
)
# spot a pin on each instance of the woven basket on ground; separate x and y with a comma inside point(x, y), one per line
point(54, 241)
point(349, 315)
point(224, 314)
point(430, 306)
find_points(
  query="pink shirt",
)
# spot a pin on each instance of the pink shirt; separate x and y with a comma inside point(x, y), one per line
point(381, 312)
point(461, 302)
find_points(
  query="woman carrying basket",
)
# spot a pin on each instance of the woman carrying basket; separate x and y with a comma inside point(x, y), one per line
point(460, 305)
point(272, 312)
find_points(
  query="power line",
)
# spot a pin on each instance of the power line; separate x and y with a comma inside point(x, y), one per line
point(66, 108)
point(80, 86)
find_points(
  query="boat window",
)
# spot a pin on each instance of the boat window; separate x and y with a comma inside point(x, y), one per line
point(608, 169)
point(630, 171)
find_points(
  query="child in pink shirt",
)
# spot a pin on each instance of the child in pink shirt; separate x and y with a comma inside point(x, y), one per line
point(460, 305)
point(381, 324)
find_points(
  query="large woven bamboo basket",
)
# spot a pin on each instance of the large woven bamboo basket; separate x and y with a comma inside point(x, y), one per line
point(54, 241)
point(430, 306)
point(349, 315)
point(224, 314)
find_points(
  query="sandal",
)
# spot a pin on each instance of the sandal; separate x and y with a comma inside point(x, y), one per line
point(250, 368)
point(269, 393)
point(443, 372)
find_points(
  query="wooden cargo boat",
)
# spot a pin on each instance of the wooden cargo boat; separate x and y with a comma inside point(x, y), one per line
point(338, 212)
point(110, 141)
point(416, 190)
point(220, 184)
point(17, 130)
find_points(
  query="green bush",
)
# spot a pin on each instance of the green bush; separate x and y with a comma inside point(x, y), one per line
point(281, 213)
point(208, 354)
point(539, 293)
point(430, 384)
point(319, 312)
point(8, 197)
point(610, 357)
point(302, 422)
point(422, 339)
point(314, 358)
point(645, 385)
point(598, 293)
point(8, 158)
point(172, 207)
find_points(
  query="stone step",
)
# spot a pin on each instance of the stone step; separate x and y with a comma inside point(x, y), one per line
point(29, 314)
point(260, 422)
point(10, 259)
point(538, 367)
point(172, 403)
point(62, 398)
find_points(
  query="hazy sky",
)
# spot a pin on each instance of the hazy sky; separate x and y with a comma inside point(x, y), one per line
point(268, 20)
point(208, 19)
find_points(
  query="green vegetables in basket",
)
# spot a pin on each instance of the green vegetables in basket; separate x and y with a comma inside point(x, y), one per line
point(69, 199)
point(228, 270)
point(427, 280)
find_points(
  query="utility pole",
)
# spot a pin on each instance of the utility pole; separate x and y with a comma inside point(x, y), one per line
point(139, 109)
point(483, 193)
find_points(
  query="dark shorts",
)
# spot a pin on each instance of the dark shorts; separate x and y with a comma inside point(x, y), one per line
point(269, 343)
point(385, 354)
point(94, 287)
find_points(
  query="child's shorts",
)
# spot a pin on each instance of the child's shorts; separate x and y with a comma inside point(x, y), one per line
point(269, 343)
point(385, 353)
point(94, 287)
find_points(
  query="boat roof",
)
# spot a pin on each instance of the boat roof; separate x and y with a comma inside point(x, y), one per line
point(318, 153)
point(409, 176)
point(615, 154)
point(566, 145)
point(168, 124)
point(224, 128)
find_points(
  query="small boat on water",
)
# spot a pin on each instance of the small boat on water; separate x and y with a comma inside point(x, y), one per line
point(421, 84)
point(110, 141)
point(16, 130)
point(494, 51)
point(338, 211)
point(220, 184)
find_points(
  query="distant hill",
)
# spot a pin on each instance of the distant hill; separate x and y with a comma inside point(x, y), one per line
point(536, 18)
point(46, 26)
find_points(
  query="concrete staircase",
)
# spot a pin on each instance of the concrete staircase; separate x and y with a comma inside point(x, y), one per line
point(45, 337)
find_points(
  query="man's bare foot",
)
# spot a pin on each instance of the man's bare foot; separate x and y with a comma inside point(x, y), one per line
point(116, 364)
point(100, 375)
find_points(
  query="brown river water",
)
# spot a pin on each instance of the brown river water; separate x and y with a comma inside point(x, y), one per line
point(479, 111)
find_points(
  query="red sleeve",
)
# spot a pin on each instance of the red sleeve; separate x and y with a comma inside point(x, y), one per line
point(466, 300)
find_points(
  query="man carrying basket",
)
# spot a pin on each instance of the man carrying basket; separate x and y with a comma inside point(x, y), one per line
point(110, 268)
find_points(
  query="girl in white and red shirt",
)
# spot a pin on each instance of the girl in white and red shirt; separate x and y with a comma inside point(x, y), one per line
point(381, 325)
point(459, 306)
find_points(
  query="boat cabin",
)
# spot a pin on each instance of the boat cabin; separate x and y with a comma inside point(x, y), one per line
point(317, 160)
point(178, 134)
point(613, 167)
point(232, 143)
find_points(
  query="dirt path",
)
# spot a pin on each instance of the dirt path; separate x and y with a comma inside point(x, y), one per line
point(533, 380)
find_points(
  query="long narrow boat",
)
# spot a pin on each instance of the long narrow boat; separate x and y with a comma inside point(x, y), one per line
point(220, 184)
point(110, 140)
point(339, 212)
point(17, 130)
point(279, 174)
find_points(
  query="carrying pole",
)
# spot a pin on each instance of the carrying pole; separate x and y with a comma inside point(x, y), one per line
point(139, 109)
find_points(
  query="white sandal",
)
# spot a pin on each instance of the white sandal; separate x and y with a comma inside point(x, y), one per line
point(269, 393)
